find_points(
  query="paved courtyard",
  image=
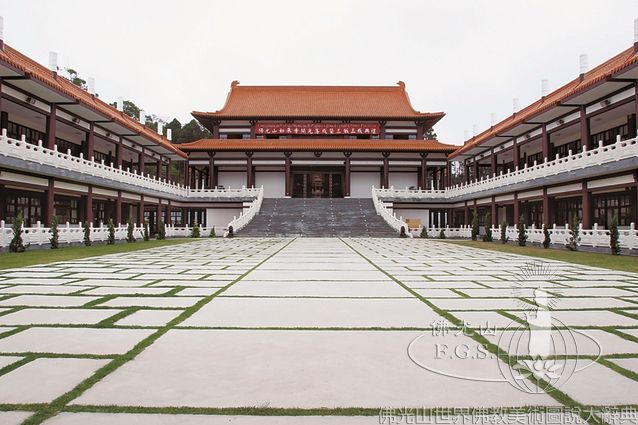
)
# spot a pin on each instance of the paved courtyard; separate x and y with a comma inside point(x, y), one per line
point(223, 330)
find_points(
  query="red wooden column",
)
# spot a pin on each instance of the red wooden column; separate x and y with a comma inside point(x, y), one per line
point(517, 212)
point(586, 205)
point(545, 142)
point(584, 129)
point(287, 166)
point(494, 213)
point(140, 211)
point(51, 126)
point(493, 163)
point(347, 174)
point(158, 168)
point(158, 215)
point(386, 170)
point(119, 152)
point(252, 128)
point(88, 207)
point(515, 154)
point(546, 208)
point(212, 180)
point(118, 208)
point(140, 161)
point(168, 213)
point(466, 215)
point(187, 177)
point(424, 172)
point(250, 177)
point(476, 169)
point(90, 142)
point(50, 207)
point(382, 129)
point(635, 114)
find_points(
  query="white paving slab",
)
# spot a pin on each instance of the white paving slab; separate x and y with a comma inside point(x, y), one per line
point(313, 312)
point(32, 316)
point(73, 340)
point(42, 289)
point(320, 289)
point(48, 300)
point(7, 360)
point(599, 385)
point(44, 379)
point(181, 302)
point(13, 418)
point(149, 318)
point(305, 369)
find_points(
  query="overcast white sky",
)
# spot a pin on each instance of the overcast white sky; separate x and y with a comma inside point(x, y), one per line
point(466, 58)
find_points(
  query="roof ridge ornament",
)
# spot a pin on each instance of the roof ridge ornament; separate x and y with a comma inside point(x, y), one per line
point(401, 84)
point(234, 83)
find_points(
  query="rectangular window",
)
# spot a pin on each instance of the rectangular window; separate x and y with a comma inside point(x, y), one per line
point(567, 208)
point(67, 210)
point(609, 204)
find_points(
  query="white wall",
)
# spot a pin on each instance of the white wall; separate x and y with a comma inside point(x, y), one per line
point(361, 184)
point(233, 179)
point(220, 217)
point(274, 183)
point(424, 215)
point(402, 180)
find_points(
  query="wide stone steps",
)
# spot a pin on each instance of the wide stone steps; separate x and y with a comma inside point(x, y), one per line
point(346, 217)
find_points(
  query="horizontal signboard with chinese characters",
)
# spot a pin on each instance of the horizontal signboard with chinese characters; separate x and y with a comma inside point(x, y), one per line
point(319, 129)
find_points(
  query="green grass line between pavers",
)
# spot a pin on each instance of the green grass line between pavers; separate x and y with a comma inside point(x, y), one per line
point(62, 401)
point(626, 263)
point(550, 390)
point(9, 260)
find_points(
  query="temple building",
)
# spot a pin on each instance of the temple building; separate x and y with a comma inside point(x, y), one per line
point(318, 141)
point(572, 153)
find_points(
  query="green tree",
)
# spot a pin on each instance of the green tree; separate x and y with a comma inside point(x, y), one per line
point(195, 231)
point(574, 234)
point(614, 236)
point(111, 229)
point(522, 231)
point(424, 232)
point(87, 234)
point(430, 134)
point(212, 233)
point(17, 244)
point(190, 132)
point(504, 237)
point(488, 228)
point(161, 230)
point(442, 234)
point(547, 240)
point(55, 233)
point(130, 228)
point(475, 226)
point(74, 77)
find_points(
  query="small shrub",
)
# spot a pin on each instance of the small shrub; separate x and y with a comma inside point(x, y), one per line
point(161, 231)
point(488, 228)
point(231, 232)
point(17, 244)
point(547, 240)
point(442, 234)
point(55, 233)
point(574, 237)
point(504, 237)
point(130, 228)
point(614, 236)
point(111, 229)
point(475, 226)
point(522, 231)
point(145, 232)
point(424, 232)
point(195, 231)
point(87, 234)
point(212, 233)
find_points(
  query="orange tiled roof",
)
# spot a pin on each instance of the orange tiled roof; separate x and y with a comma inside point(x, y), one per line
point(318, 102)
point(555, 98)
point(324, 145)
point(45, 76)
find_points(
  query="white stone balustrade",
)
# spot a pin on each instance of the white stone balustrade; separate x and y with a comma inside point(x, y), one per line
point(621, 149)
point(244, 218)
point(393, 221)
point(594, 237)
point(22, 150)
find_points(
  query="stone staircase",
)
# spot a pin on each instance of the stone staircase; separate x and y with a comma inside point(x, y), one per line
point(347, 217)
